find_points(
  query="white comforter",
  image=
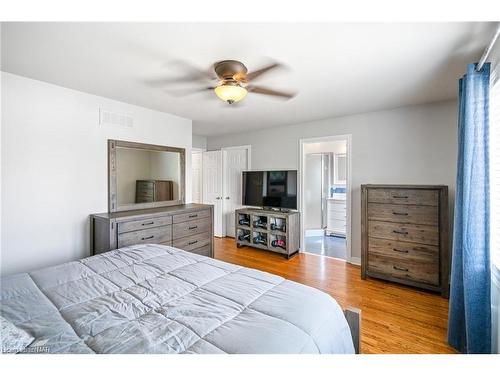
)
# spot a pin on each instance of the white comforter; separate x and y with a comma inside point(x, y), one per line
point(159, 299)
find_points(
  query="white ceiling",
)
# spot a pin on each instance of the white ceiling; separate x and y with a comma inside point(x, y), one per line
point(336, 68)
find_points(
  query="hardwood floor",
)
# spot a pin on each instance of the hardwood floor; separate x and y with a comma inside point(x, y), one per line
point(395, 318)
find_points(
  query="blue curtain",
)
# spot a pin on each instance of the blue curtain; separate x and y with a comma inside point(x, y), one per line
point(469, 327)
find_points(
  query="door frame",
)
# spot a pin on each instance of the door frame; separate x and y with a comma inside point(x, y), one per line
point(330, 138)
point(248, 148)
point(200, 151)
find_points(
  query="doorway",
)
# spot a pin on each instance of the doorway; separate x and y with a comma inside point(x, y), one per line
point(325, 196)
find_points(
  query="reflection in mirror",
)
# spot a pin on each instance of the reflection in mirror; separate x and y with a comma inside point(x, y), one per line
point(145, 176)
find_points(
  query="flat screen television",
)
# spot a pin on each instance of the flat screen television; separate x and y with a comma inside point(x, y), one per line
point(277, 189)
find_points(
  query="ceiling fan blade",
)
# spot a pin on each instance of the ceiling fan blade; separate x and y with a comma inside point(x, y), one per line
point(186, 92)
point(193, 71)
point(266, 91)
point(257, 73)
point(190, 73)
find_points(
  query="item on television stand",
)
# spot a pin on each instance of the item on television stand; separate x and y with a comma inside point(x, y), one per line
point(260, 224)
point(245, 222)
point(281, 228)
point(279, 243)
point(260, 240)
point(244, 237)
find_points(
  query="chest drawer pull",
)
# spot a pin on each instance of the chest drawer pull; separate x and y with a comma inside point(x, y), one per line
point(400, 196)
point(400, 268)
point(150, 223)
point(400, 232)
point(400, 251)
point(400, 213)
point(147, 238)
point(192, 242)
point(193, 227)
point(192, 216)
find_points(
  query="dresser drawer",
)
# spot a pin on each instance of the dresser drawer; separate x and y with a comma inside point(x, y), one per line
point(425, 272)
point(129, 226)
point(334, 206)
point(152, 235)
point(189, 228)
point(191, 216)
point(408, 251)
point(144, 198)
point(192, 242)
point(337, 215)
point(338, 225)
point(145, 189)
point(205, 251)
point(404, 196)
point(404, 232)
point(402, 213)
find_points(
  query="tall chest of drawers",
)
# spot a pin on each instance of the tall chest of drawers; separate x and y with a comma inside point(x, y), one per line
point(405, 235)
point(188, 227)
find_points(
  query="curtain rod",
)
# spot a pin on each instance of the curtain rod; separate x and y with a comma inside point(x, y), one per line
point(488, 50)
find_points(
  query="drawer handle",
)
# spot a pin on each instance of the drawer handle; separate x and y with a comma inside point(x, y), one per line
point(147, 238)
point(399, 232)
point(191, 216)
point(192, 242)
point(400, 213)
point(150, 223)
point(400, 268)
point(193, 227)
point(400, 196)
point(400, 251)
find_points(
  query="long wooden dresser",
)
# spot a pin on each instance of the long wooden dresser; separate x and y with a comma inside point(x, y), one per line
point(186, 226)
point(404, 235)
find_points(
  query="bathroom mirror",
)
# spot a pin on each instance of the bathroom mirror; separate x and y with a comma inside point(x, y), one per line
point(144, 176)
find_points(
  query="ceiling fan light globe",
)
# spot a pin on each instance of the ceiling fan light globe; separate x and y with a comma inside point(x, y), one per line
point(230, 93)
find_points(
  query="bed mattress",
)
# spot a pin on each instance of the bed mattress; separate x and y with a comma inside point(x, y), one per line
point(159, 299)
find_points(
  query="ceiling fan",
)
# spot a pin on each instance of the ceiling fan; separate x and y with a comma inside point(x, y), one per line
point(234, 80)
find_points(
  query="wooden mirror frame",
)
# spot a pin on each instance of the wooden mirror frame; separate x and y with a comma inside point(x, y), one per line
point(112, 187)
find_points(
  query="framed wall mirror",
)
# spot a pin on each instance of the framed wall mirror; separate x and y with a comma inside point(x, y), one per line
point(144, 176)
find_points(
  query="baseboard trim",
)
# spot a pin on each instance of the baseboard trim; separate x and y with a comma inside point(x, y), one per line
point(355, 260)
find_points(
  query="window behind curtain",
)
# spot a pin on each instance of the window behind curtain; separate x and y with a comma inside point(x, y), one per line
point(495, 198)
point(495, 167)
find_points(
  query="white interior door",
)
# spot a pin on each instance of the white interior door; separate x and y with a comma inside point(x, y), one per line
point(235, 161)
point(312, 191)
point(197, 172)
point(212, 186)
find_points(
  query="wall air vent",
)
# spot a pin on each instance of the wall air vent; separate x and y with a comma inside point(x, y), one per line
point(107, 117)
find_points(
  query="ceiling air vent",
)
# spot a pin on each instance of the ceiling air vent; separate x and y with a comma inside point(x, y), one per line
point(115, 118)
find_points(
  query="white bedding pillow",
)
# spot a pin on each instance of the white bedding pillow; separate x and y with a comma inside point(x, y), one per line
point(13, 339)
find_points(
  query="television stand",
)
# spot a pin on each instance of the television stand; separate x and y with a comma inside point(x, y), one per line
point(266, 229)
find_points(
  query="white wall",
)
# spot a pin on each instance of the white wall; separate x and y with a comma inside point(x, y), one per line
point(131, 165)
point(199, 141)
point(336, 147)
point(408, 145)
point(165, 166)
point(54, 167)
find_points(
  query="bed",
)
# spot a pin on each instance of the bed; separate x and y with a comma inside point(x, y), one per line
point(159, 299)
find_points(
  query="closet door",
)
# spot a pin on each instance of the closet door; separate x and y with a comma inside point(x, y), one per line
point(235, 161)
point(212, 186)
point(197, 172)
